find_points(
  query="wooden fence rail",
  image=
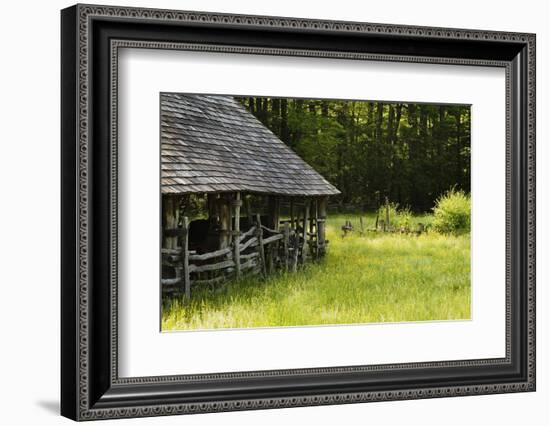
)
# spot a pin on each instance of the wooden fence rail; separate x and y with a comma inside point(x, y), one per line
point(250, 252)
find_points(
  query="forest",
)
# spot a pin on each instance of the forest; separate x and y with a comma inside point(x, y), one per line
point(410, 153)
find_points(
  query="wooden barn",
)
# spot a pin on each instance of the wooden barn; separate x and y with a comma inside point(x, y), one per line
point(264, 208)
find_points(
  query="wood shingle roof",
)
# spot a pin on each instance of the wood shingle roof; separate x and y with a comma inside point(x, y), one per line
point(212, 143)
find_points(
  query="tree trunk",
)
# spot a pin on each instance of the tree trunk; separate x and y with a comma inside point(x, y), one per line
point(284, 121)
point(458, 118)
point(276, 116)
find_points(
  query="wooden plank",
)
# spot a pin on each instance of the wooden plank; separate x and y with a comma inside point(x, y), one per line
point(225, 222)
point(253, 242)
point(292, 213)
point(304, 233)
point(210, 255)
point(176, 251)
point(170, 211)
point(273, 231)
point(249, 264)
point(170, 281)
point(247, 234)
point(185, 258)
point(209, 281)
point(274, 203)
point(321, 224)
point(272, 239)
point(295, 251)
point(212, 266)
point(273, 223)
point(237, 227)
point(316, 228)
point(249, 256)
point(286, 237)
point(228, 201)
point(259, 236)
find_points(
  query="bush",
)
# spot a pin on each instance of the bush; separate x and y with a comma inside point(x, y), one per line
point(392, 211)
point(401, 218)
point(404, 220)
point(452, 213)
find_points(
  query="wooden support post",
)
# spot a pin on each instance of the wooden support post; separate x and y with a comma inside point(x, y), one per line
point(166, 205)
point(185, 257)
point(315, 232)
point(229, 203)
point(286, 237)
point(170, 211)
point(361, 223)
point(274, 218)
point(312, 218)
point(236, 235)
point(212, 202)
point(305, 224)
point(225, 222)
point(249, 212)
point(259, 235)
point(292, 214)
point(296, 249)
point(273, 212)
point(321, 237)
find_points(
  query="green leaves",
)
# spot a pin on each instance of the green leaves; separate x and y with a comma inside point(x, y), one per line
point(452, 213)
point(411, 153)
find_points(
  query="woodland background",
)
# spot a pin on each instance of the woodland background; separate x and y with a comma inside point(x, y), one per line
point(409, 152)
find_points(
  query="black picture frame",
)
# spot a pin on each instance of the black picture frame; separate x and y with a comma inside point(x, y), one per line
point(90, 386)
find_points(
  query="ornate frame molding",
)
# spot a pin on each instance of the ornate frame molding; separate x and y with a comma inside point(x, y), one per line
point(82, 16)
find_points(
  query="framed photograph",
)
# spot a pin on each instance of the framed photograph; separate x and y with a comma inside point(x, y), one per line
point(264, 212)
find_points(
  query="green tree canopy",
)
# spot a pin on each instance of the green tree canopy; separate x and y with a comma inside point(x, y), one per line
point(411, 153)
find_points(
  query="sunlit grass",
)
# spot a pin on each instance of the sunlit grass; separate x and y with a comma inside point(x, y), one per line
point(377, 277)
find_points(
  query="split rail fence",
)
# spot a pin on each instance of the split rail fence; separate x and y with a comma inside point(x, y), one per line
point(258, 251)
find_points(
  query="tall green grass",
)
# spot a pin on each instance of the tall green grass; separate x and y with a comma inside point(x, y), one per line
point(377, 277)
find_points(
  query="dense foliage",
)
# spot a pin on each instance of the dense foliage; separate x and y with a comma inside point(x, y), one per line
point(409, 152)
point(452, 213)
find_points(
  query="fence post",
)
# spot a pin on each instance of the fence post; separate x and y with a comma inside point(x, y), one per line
point(316, 232)
point(286, 235)
point(237, 228)
point(292, 213)
point(305, 225)
point(185, 257)
point(321, 238)
point(249, 211)
point(259, 235)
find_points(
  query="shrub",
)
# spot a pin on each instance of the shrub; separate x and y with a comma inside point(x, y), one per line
point(452, 213)
point(401, 218)
point(404, 220)
point(392, 212)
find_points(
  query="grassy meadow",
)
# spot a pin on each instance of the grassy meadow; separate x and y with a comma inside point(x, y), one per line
point(376, 277)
